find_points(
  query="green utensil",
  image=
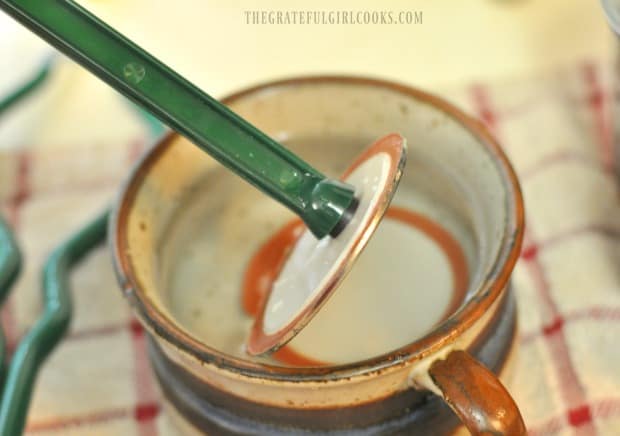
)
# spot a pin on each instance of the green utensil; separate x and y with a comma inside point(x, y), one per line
point(10, 266)
point(49, 328)
point(17, 378)
point(324, 204)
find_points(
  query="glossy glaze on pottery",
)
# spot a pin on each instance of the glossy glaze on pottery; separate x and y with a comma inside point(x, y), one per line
point(466, 386)
point(481, 208)
point(199, 408)
point(420, 252)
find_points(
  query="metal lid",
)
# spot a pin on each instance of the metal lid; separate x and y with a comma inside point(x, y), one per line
point(315, 268)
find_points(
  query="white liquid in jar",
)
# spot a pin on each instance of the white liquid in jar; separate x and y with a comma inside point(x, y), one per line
point(404, 282)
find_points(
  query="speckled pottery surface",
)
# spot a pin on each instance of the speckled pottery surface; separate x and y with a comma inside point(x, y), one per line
point(388, 354)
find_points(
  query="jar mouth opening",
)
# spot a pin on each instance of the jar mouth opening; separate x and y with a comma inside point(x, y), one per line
point(491, 286)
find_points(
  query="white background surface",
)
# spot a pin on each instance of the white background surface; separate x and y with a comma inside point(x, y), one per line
point(209, 41)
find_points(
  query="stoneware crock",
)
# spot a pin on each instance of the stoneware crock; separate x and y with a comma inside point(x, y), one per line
point(425, 385)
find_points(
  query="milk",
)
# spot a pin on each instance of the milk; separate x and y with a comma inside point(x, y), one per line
point(413, 273)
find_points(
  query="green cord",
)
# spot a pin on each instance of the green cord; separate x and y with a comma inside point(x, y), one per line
point(49, 328)
point(10, 256)
point(24, 90)
point(10, 266)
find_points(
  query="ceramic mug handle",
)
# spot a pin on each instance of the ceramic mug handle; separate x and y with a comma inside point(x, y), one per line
point(476, 395)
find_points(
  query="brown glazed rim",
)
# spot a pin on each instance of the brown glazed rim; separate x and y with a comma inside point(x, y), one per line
point(394, 146)
point(446, 332)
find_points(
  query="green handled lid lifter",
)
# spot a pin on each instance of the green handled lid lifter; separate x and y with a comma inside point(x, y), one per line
point(323, 204)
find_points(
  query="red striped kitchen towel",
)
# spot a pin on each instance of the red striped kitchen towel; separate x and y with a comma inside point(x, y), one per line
point(556, 129)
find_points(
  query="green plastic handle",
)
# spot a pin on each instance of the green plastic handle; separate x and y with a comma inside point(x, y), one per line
point(321, 202)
